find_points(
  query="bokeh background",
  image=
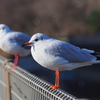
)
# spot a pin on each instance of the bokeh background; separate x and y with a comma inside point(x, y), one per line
point(74, 21)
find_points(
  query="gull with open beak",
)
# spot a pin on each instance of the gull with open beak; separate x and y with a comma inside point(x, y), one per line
point(59, 55)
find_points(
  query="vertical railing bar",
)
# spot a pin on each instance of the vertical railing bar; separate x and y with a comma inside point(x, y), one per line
point(8, 90)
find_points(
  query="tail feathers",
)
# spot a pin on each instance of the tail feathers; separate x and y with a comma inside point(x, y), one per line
point(97, 55)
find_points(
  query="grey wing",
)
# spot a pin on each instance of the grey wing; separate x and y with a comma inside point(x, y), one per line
point(20, 38)
point(70, 52)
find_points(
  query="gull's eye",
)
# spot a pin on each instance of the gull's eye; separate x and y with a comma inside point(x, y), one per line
point(36, 40)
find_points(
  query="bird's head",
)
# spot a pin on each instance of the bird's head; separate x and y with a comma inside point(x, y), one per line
point(4, 28)
point(36, 38)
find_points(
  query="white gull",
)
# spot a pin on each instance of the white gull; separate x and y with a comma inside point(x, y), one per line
point(11, 41)
point(59, 55)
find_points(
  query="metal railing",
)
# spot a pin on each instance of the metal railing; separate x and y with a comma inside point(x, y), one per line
point(21, 85)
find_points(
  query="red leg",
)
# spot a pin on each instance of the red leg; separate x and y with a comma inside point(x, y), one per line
point(57, 81)
point(15, 62)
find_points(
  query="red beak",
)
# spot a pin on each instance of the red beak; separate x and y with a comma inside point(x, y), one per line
point(26, 44)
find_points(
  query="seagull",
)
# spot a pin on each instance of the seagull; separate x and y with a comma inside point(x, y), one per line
point(11, 42)
point(59, 55)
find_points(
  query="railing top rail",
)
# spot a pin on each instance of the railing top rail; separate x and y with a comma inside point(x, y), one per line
point(37, 83)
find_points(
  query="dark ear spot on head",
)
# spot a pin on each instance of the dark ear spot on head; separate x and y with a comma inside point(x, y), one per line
point(3, 28)
point(41, 38)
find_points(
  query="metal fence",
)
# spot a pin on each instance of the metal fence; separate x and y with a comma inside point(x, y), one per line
point(21, 85)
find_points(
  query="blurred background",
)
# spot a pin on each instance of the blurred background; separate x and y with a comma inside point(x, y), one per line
point(74, 21)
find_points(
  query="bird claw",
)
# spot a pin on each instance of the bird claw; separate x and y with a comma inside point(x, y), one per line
point(13, 67)
point(54, 87)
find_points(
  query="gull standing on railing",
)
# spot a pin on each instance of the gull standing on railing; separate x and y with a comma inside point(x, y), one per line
point(11, 41)
point(58, 55)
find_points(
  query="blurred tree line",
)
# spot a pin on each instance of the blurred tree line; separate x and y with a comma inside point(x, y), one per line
point(53, 17)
